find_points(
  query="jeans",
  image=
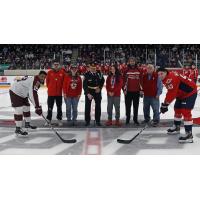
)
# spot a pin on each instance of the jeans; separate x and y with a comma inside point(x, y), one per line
point(71, 108)
point(154, 104)
point(116, 102)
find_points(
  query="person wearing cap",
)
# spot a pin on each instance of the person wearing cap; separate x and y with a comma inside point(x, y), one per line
point(92, 84)
point(54, 82)
point(72, 88)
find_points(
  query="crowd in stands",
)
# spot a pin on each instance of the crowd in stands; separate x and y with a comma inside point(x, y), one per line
point(33, 56)
point(36, 56)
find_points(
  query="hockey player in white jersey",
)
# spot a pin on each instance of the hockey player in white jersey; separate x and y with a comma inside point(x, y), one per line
point(20, 92)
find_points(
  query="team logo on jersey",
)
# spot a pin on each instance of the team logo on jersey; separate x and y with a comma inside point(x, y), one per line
point(73, 85)
point(168, 81)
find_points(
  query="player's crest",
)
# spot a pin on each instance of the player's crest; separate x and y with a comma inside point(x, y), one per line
point(73, 85)
point(168, 81)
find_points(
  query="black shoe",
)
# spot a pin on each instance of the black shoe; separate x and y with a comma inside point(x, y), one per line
point(87, 123)
point(98, 124)
point(145, 122)
point(154, 123)
point(28, 125)
point(20, 131)
point(74, 123)
point(187, 138)
point(174, 130)
point(136, 123)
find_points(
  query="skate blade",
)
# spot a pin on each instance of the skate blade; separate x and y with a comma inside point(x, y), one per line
point(21, 136)
point(186, 141)
point(175, 133)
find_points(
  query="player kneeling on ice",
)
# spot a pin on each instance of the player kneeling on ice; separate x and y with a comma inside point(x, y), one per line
point(72, 88)
point(20, 91)
point(114, 83)
point(184, 90)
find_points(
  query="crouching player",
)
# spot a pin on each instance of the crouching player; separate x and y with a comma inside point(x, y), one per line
point(184, 90)
point(20, 91)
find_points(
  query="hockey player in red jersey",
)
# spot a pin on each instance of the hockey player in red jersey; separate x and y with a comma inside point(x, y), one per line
point(184, 90)
point(20, 91)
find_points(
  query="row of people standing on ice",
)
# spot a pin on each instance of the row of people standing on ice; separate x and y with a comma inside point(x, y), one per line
point(135, 82)
point(131, 82)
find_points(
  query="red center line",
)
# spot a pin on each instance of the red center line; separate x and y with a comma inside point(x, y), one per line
point(93, 141)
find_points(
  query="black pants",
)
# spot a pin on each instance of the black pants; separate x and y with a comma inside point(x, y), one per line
point(50, 103)
point(129, 98)
point(97, 99)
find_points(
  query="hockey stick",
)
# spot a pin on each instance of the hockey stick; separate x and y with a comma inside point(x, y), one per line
point(130, 140)
point(63, 140)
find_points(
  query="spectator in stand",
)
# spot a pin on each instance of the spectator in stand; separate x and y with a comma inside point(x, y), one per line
point(193, 70)
point(152, 89)
point(194, 73)
point(114, 83)
point(72, 88)
point(54, 82)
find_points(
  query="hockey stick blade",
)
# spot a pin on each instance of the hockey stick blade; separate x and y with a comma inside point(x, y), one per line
point(126, 141)
point(123, 141)
point(63, 140)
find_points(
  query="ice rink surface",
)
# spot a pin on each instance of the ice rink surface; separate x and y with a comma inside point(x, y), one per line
point(92, 140)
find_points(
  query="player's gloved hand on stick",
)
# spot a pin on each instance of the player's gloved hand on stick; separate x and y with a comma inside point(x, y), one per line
point(164, 108)
point(38, 110)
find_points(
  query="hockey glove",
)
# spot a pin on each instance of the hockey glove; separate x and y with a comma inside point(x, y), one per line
point(38, 110)
point(164, 108)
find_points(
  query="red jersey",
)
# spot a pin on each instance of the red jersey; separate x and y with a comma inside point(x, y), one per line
point(178, 86)
point(72, 86)
point(106, 69)
point(194, 74)
point(113, 86)
point(122, 68)
point(54, 82)
point(132, 80)
point(186, 72)
point(82, 69)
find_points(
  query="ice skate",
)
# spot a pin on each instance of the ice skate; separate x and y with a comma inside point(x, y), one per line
point(186, 138)
point(173, 130)
point(28, 125)
point(20, 131)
